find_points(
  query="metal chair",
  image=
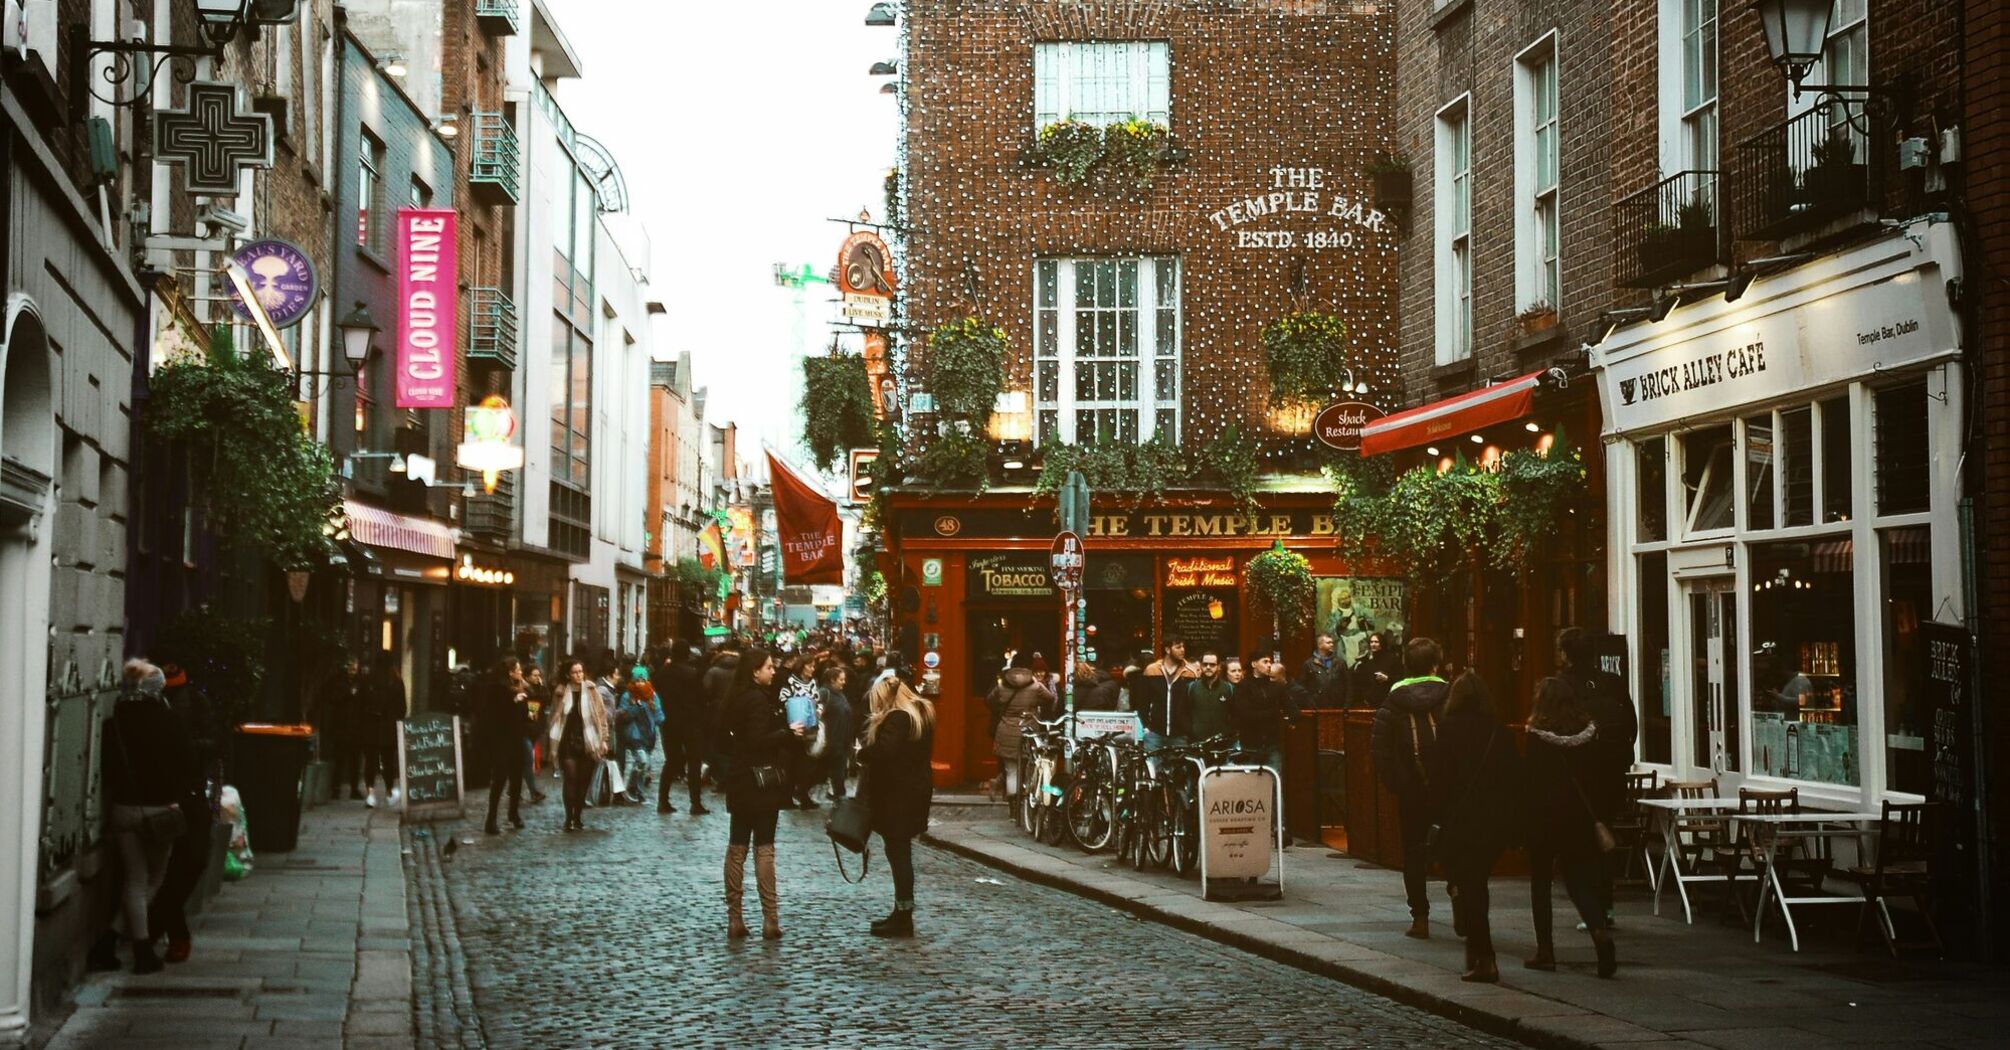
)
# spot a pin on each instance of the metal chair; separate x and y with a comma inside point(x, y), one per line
point(1903, 869)
point(1691, 838)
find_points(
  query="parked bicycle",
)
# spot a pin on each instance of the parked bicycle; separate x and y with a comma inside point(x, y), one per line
point(1042, 779)
point(1092, 794)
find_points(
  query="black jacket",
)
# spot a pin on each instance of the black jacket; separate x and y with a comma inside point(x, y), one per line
point(1325, 686)
point(899, 783)
point(1257, 712)
point(1098, 693)
point(1607, 703)
point(149, 760)
point(682, 691)
point(1405, 737)
point(1367, 691)
point(757, 734)
point(1561, 806)
point(499, 719)
point(1475, 790)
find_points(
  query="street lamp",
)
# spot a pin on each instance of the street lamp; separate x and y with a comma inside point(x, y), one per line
point(881, 14)
point(1797, 32)
point(1349, 386)
point(359, 331)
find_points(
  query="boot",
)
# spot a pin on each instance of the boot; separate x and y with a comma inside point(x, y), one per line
point(144, 959)
point(1480, 967)
point(1544, 957)
point(764, 878)
point(736, 876)
point(898, 924)
point(490, 827)
point(698, 808)
point(1608, 953)
point(1420, 928)
point(515, 814)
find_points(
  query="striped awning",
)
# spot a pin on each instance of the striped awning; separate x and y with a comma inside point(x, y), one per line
point(405, 532)
point(1834, 555)
point(1912, 545)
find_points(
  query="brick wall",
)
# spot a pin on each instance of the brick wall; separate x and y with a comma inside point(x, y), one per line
point(1254, 86)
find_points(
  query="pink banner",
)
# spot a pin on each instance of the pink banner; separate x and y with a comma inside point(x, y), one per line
point(427, 307)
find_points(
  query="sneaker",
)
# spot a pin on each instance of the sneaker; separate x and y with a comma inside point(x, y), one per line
point(370, 799)
point(394, 796)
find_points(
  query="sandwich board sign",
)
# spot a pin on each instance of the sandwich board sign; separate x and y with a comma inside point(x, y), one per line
point(1240, 811)
point(429, 766)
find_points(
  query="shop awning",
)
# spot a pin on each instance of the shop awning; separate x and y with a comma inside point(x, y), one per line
point(1464, 414)
point(387, 528)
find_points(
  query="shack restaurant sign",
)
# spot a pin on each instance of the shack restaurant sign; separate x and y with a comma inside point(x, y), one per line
point(1338, 425)
point(427, 307)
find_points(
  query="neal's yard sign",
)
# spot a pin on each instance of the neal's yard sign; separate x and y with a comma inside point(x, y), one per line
point(1294, 192)
point(429, 765)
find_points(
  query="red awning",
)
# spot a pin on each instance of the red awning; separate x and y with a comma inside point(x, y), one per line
point(1451, 417)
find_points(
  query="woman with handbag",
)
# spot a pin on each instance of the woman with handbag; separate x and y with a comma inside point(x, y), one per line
point(761, 746)
point(1563, 827)
point(1475, 786)
point(150, 767)
point(581, 733)
point(898, 786)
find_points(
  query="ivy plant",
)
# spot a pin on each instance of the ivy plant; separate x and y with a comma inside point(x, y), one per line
point(966, 369)
point(1537, 491)
point(1233, 457)
point(837, 407)
point(226, 654)
point(1306, 352)
point(1069, 148)
point(1281, 586)
point(958, 459)
point(265, 484)
point(1136, 472)
point(1133, 155)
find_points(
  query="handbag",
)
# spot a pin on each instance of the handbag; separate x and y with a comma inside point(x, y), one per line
point(616, 782)
point(767, 778)
point(850, 826)
point(159, 825)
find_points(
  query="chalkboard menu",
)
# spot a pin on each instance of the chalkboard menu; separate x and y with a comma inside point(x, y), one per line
point(429, 764)
point(1205, 618)
point(1950, 746)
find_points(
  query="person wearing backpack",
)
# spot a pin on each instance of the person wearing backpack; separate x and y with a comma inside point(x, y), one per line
point(1404, 744)
point(1607, 703)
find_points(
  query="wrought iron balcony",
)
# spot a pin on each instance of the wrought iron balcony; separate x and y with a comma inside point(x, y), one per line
point(494, 172)
point(492, 327)
point(492, 515)
point(497, 17)
point(1666, 231)
point(1824, 165)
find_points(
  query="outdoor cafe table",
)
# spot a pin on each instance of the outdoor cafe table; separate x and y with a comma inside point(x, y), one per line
point(1774, 830)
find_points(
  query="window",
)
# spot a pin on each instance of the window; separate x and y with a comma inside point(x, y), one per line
point(369, 193)
point(1106, 349)
point(1798, 469)
point(1102, 83)
point(1908, 601)
point(421, 195)
point(1699, 84)
point(1845, 60)
point(1903, 483)
point(1651, 461)
point(1454, 228)
point(1706, 479)
point(1804, 712)
point(1835, 459)
point(1538, 277)
point(1657, 722)
point(1759, 472)
point(571, 401)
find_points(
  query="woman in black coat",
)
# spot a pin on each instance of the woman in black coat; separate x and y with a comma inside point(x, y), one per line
point(898, 786)
point(1561, 826)
point(1475, 787)
point(1380, 667)
point(761, 747)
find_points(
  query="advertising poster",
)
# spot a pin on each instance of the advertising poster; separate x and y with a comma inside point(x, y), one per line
point(427, 307)
point(1352, 608)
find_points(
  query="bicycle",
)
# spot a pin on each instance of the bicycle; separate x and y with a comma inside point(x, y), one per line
point(1042, 772)
point(1131, 820)
point(1185, 766)
point(1091, 806)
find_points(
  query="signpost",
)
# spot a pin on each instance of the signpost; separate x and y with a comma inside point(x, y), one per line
point(429, 765)
point(1064, 572)
point(1240, 811)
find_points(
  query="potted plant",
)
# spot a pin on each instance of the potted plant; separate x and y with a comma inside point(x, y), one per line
point(1536, 318)
point(1133, 153)
point(1307, 353)
point(1835, 181)
point(1391, 175)
point(1281, 586)
point(1070, 148)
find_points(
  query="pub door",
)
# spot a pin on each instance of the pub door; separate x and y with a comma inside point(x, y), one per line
point(992, 633)
point(1712, 609)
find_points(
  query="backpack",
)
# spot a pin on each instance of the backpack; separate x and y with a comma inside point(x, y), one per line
point(1417, 746)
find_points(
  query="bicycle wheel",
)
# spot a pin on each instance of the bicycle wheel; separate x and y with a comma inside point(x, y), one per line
point(1144, 826)
point(1022, 812)
point(1049, 828)
point(1186, 836)
point(1091, 813)
point(1164, 811)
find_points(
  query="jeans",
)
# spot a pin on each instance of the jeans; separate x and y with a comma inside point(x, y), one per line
point(900, 857)
point(635, 769)
point(1413, 817)
point(530, 770)
point(145, 865)
point(186, 861)
point(1582, 868)
point(752, 829)
point(682, 750)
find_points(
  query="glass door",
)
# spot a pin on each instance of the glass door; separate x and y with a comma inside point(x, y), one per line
point(1712, 609)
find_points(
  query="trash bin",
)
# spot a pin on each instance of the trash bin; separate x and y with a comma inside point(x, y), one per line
point(265, 765)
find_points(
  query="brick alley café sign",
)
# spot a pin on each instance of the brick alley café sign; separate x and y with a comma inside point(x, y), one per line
point(1337, 220)
point(985, 524)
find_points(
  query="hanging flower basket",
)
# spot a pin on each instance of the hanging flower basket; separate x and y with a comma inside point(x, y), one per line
point(1280, 586)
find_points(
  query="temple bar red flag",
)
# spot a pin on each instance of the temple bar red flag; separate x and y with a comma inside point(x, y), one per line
point(812, 545)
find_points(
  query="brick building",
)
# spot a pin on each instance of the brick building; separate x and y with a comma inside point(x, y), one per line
point(1132, 312)
point(1766, 289)
point(676, 485)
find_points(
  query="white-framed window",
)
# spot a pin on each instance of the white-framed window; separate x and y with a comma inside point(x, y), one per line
point(1699, 84)
point(1453, 208)
point(1106, 349)
point(1102, 82)
point(1537, 159)
point(1845, 60)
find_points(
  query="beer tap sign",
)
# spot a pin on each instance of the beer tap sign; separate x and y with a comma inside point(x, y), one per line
point(488, 448)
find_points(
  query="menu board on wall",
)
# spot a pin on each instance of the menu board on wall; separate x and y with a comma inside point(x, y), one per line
point(1205, 618)
point(1352, 608)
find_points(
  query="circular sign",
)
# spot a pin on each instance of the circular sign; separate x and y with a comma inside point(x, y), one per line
point(948, 525)
point(865, 266)
point(282, 279)
point(931, 572)
point(1338, 425)
point(931, 660)
point(1065, 562)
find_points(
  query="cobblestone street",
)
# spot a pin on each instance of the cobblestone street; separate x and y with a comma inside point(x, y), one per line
point(615, 937)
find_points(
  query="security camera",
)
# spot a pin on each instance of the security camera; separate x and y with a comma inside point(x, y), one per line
point(219, 218)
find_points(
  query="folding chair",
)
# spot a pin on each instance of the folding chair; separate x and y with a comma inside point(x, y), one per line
point(1903, 869)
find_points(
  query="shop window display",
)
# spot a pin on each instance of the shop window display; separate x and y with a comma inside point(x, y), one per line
point(1803, 663)
point(1653, 466)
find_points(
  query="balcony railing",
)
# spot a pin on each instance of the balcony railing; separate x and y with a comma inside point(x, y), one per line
point(1806, 173)
point(492, 515)
point(1666, 231)
point(493, 173)
point(492, 327)
point(497, 17)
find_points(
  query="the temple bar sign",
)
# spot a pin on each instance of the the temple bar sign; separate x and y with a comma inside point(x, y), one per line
point(1138, 524)
point(1298, 191)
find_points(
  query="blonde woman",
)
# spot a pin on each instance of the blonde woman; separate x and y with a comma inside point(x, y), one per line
point(580, 734)
point(898, 786)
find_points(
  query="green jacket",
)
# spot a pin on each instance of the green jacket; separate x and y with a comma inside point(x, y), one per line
point(1204, 710)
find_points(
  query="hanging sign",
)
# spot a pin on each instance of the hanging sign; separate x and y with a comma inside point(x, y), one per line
point(807, 524)
point(488, 448)
point(427, 307)
point(862, 466)
point(212, 140)
point(1065, 560)
point(865, 279)
point(1338, 425)
point(282, 279)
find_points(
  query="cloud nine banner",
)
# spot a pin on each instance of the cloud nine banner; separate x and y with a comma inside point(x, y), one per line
point(427, 307)
point(810, 534)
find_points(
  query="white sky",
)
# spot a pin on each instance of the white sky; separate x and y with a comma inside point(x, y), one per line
point(740, 128)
